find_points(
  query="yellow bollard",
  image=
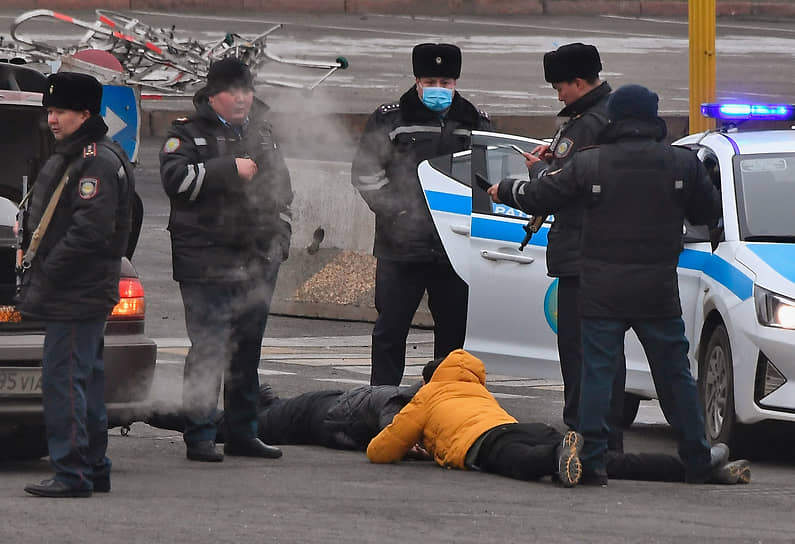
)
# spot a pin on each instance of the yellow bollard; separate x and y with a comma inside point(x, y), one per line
point(701, 29)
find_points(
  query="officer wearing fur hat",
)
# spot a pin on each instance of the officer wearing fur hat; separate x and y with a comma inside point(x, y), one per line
point(573, 70)
point(431, 119)
point(230, 197)
point(636, 191)
point(72, 283)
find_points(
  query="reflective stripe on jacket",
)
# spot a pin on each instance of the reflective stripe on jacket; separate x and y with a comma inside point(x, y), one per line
point(396, 139)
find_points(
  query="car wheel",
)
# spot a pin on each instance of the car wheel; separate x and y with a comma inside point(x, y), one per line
point(716, 387)
point(631, 406)
point(24, 443)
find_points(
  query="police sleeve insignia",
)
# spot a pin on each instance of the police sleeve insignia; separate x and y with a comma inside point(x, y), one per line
point(172, 144)
point(564, 147)
point(88, 187)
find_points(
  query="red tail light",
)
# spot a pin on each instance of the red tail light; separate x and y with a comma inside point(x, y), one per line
point(131, 300)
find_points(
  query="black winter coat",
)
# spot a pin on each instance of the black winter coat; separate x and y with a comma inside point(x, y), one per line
point(636, 191)
point(362, 412)
point(586, 118)
point(345, 420)
point(396, 139)
point(223, 228)
point(75, 274)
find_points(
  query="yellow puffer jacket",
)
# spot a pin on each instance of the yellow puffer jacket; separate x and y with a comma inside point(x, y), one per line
point(449, 414)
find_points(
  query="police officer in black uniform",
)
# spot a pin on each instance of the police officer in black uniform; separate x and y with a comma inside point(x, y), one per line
point(230, 197)
point(431, 119)
point(636, 191)
point(73, 280)
point(573, 70)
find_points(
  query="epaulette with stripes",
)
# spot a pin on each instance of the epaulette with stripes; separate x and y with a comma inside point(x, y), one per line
point(386, 108)
point(181, 120)
point(90, 151)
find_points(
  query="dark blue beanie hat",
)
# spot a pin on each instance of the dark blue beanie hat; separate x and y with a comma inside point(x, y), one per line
point(634, 101)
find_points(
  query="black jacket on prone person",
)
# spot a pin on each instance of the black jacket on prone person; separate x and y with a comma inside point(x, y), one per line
point(332, 418)
point(360, 413)
point(636, 190)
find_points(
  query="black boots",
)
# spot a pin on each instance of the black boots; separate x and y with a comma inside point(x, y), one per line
point(252, 447)
point(204, 450)
point(56, 489)
point(569, 469)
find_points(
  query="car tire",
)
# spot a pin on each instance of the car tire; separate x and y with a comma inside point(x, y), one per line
point(24, 443)
point(716, 389)
point(631, 407)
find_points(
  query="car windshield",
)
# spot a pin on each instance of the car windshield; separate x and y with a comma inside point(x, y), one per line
point(765, 193)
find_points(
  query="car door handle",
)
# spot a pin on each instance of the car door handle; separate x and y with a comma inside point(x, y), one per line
point(497, 256)
point(463, 230)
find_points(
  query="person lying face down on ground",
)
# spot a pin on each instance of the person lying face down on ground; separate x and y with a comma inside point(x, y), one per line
point(462, 426)
point(331, 418)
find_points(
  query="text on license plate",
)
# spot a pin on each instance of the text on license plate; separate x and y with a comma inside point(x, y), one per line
point(20, 381)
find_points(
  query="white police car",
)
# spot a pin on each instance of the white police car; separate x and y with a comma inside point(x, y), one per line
point(738, 301)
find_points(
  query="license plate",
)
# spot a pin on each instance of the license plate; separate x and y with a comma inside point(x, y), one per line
point(20, 381)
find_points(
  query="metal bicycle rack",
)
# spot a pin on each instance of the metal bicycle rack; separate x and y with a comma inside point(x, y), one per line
point(156, 59)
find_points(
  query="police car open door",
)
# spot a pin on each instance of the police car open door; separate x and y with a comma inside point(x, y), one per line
point(512, 313)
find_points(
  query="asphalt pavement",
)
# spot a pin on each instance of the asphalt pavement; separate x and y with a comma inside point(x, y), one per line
point(314, 494)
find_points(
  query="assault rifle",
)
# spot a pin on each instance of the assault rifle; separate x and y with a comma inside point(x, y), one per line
point(530, 228)
point(19, 232)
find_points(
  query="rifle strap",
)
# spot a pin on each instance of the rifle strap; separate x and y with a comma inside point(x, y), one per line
point(38, 234)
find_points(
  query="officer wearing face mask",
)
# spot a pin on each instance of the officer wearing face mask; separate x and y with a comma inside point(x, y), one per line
point(430, 119)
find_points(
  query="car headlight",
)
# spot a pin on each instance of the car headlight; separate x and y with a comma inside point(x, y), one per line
point(774, 310)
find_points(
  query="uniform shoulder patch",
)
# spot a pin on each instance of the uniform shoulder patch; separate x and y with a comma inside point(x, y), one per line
point(386, 108)
point(564, 147)
point(171, 145)
point(87, 187)
point(90, 151)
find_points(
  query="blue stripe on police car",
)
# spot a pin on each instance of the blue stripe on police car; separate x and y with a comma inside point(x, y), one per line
point(710, 264)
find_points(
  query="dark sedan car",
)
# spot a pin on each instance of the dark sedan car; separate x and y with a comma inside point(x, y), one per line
point(25, 143)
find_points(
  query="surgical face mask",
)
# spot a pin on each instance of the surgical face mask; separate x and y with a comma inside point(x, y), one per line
point(437, 98)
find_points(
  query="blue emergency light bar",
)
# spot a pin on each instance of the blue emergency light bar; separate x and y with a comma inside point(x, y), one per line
point(740, 112)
